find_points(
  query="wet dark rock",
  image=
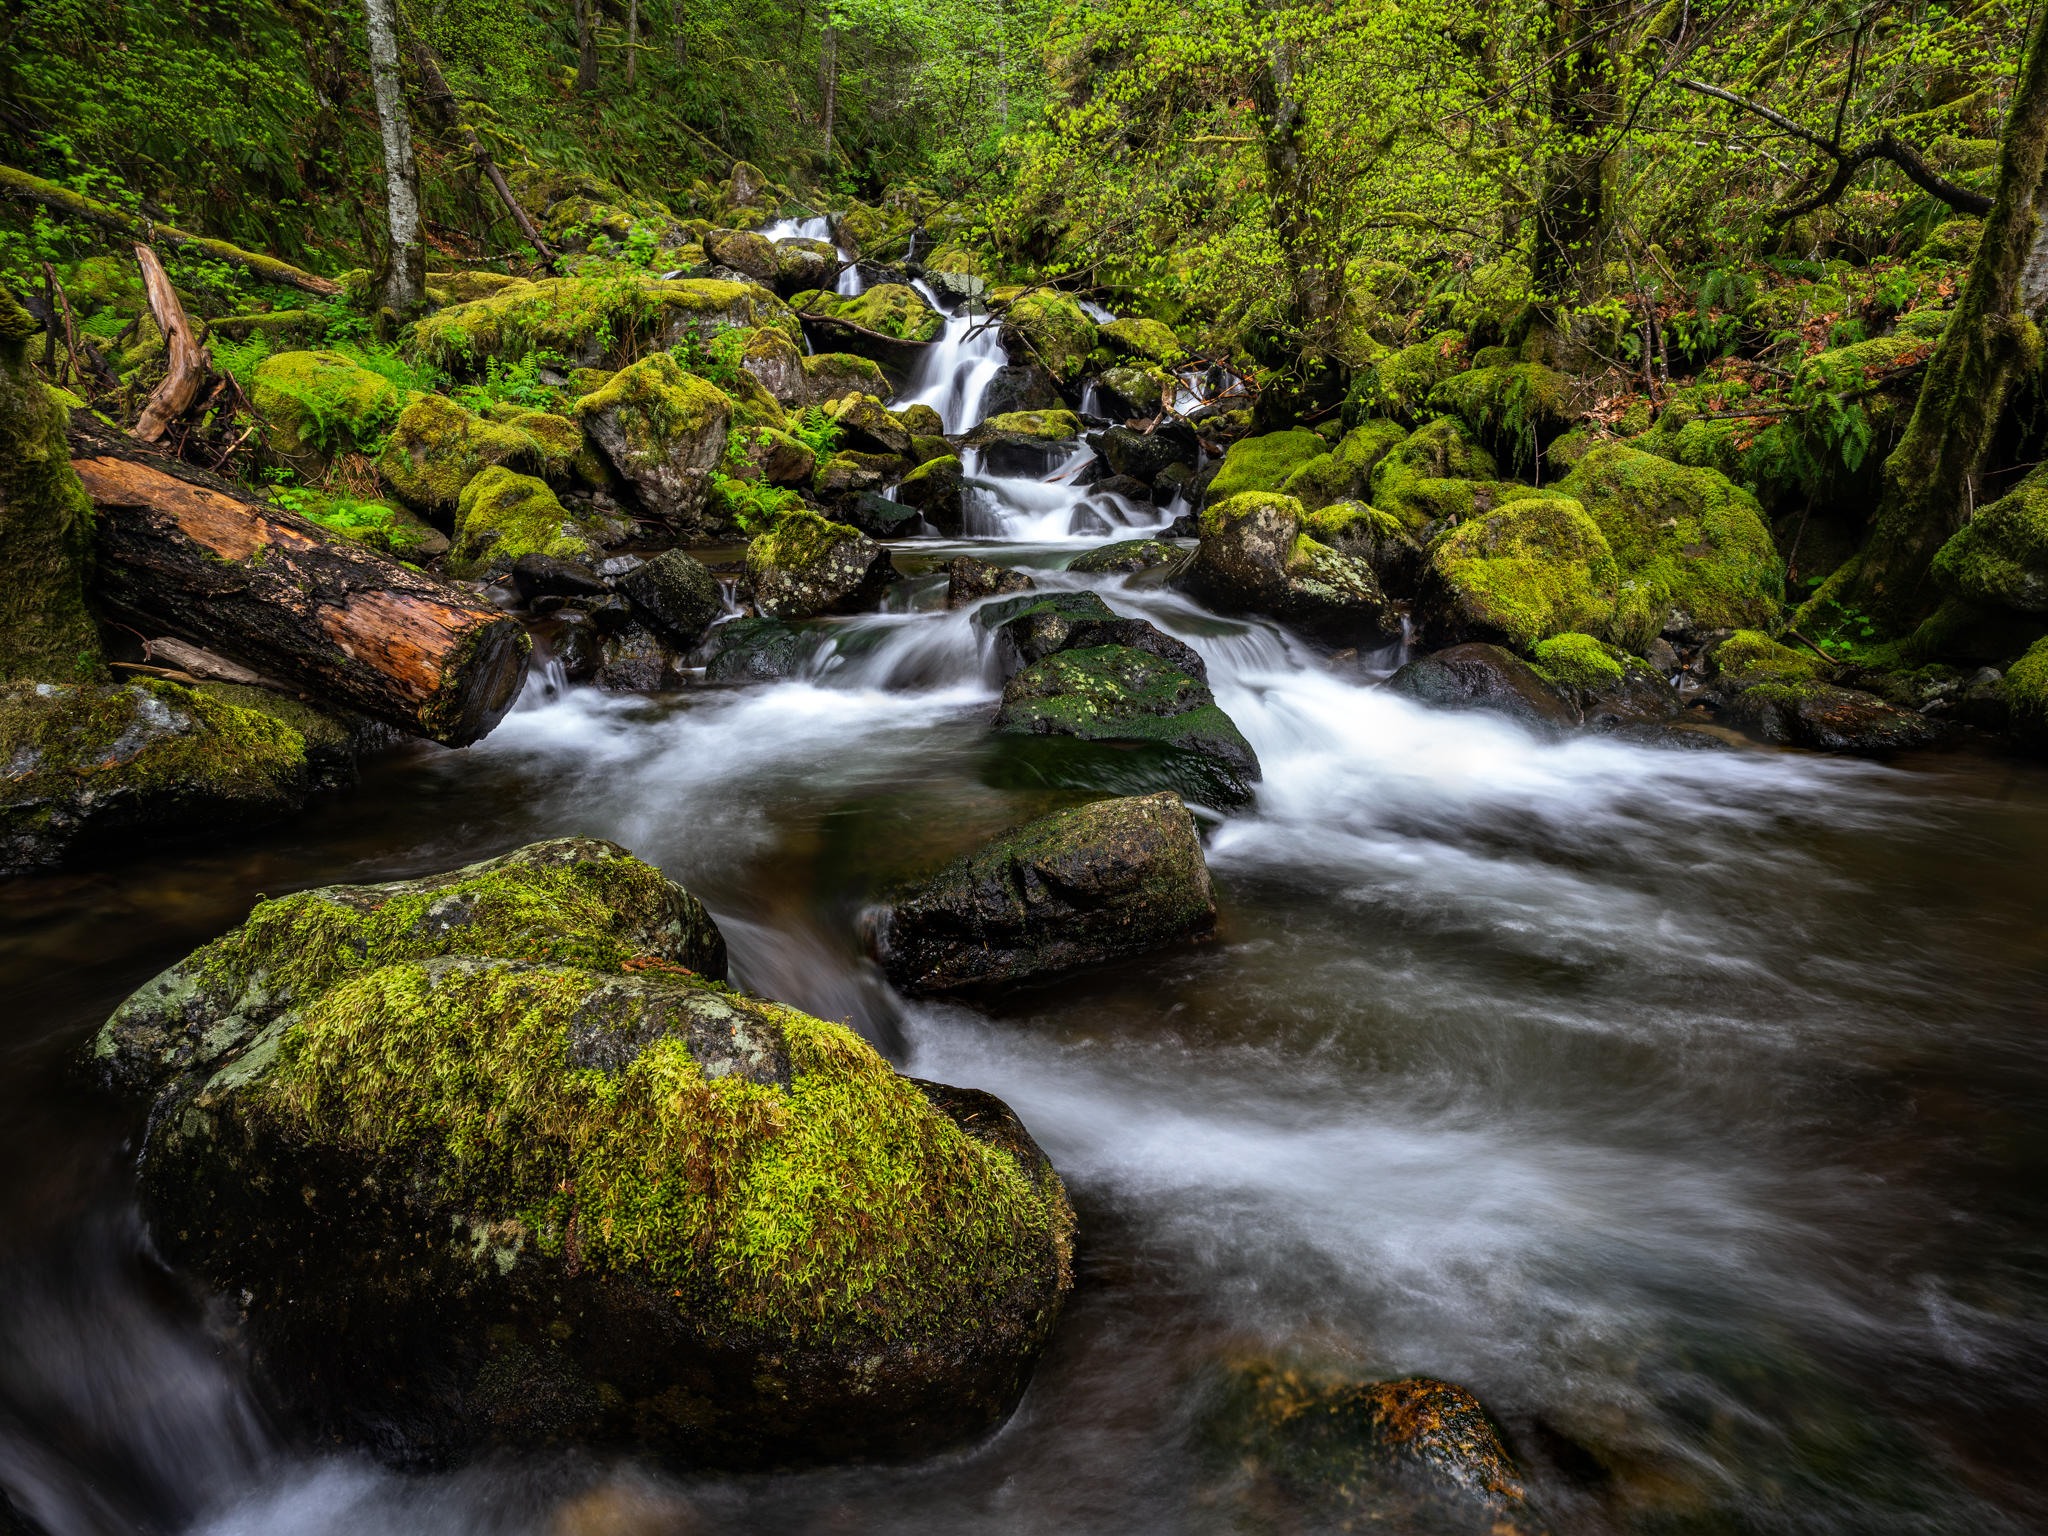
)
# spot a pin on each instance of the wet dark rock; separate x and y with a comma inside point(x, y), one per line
point(492, 1160)
point(676, 595)
point(1021, 387)
point(753, 651)
point(578, 646)
point(1255, 556)
point(806, 566)
point(1028, 629)
point(879, 517)
point(1127, 556)
point(1118, 877)
point(1143, 456)
point(1123, 485)
point(1090, 520)
point(1789, 697)
point(1121, 696)
point(1404, 1455)
point(538, 575)
point(1486, 677)
point(935, 489)
point(637, 660)
point(968, 579)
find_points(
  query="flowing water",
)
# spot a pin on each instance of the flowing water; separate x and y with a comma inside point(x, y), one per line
point(1687, 1107)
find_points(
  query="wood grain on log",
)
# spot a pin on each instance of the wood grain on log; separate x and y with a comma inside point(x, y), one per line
point(275, 592)
point(190, 364)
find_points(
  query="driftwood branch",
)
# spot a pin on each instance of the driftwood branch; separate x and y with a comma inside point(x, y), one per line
point(62, 200)
point(190, 363)
point(1886, 146)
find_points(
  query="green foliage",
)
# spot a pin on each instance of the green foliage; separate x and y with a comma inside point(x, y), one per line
point(514, 381)
point(751, 506)
point(816, 430)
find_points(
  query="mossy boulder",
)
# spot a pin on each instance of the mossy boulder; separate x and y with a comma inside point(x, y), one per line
point(866, 426)
point(968, 580)
point(1614, 690)
point(1163, 722)
point(890, 322)
point(1132, 394)
point(1378, 538)
point(806, 566)
point(1414, 479)
point(46, 634)
point(1126, 557)
point(2026, 698)
point(752, 256)
point(831, 375)
point(383, 525)
point(1028, 629)
point(1516, 410)
point(802, 264)
point(587, 319)
point(1147, 457)
point(936, 488)
point(2000, 557)
point(764, 454)
point(1265, 463)
point(1345, 472)
point(1024, 442)
point(1146, 339)
point(1048, 328)
point(875, 234)
point(1397, 384)
point(437, 447)
point(1081, 886)
point(1789, 697)
point(1488, 678)
point(1527, 571)
point(502, 515)
point(1336, 1453)
point(493, 1158)
point(318, 404)
point(1693, 549)
point(664, 431)
point(446, 288)
point(778, 364)
point(847, 473)
point(87, 768)
point(1256, 556)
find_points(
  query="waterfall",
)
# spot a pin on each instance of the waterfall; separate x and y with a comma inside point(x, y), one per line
point(954, 375)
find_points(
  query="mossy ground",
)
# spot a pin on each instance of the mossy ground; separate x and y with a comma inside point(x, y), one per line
point(601, 317)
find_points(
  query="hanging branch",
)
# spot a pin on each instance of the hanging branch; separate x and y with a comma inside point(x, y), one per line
point(1886, 146)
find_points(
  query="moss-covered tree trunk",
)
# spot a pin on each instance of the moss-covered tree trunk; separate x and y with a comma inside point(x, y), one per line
point(1932, 477)
point(46, 635)
point(586, 46)
point(1585, 102)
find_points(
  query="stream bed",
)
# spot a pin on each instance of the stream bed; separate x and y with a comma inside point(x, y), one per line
point(1690, 1108)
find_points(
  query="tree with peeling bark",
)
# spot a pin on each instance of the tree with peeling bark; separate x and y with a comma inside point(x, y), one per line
point(405, 270)
point(1933, 478)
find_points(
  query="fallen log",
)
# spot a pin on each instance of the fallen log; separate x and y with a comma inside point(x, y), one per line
point(277, 593)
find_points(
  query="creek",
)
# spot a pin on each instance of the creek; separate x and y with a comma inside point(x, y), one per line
point(1688, 1107)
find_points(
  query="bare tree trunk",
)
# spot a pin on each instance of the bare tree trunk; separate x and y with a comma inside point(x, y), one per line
point(1991, 341)
point(586, 46)
point(632, 41)
point(681, 39)
point(828, 80)
point(405, 277)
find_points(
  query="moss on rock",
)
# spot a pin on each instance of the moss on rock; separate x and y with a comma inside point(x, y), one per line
point(1047, 327)
point(1345, 472)
point(2026, 696)
point(1529, 570)
point(1148, 339)
point(1254, 557)
point(806, 566)
point(436, 447)
point(893, 310)
point(502, 515)
point(1686, 540)
point(85, 764)
point(2000, 556)
point(588, 320)
point(663, 429)
point(1264, 463)
point(1516, 409)
point(832, 375)
point(318, 404)
point(1397, 385)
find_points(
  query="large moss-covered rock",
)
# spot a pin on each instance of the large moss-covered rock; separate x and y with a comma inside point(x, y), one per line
point(778, 363)
point(1147, 339)
point(1345, 472)
point(2026, 698)
point(664, 430)
point(806, 566)
point(848, 473)
point(1789, 697)
point(437, 447)
point(573, 900)
point(1028, 629)
point(1613, 690)
point(318, 404)
point(508, 1166)
point(1265, 463)
point(802, 264)
point(1126, 557)
point(1121, 696)
point(1693, 549)
point(2000, 556)
point(968, 580)
point(1488, 678)
point(866, 426)
point(1516, 409)
point(1100, 881)
point(1415, 1454)
point(936, 488)
point(1397, 384)
point(1527, 571)
point(752, 256)
point(890, 322)
point(45, 526)
point(829, 376)
point(1048, 328)
point(1442, 450)
point(1256, 556)
point(1025, 442)
point(586, 319)
point(1380, 539)
point(503, 515)
point(89, 767)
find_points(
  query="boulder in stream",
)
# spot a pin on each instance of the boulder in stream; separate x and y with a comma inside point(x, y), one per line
point(1028, 629)
point(1486, 677)
point(1789, 697)
point(1127, 557)
point(1093, 883)
point(1257, 556)
point(806, 566)
point(935, 488)
point(968, 580)
point(1149, 723)
point(493, 1158)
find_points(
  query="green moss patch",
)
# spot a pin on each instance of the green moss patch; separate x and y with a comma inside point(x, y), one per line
point(2000, 556)
point(1532, 569)
point(1264, 463)
point(503, 514)
point(1053, 329)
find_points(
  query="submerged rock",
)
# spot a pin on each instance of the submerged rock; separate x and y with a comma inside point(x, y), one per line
point(1075, 888)
point(806, 566)
point(84, 766)
point(486, 1159)
point(1485, 677)
point(1118, 696)
point(1255, 557)
point(753, 651)
point(1417, 1453)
